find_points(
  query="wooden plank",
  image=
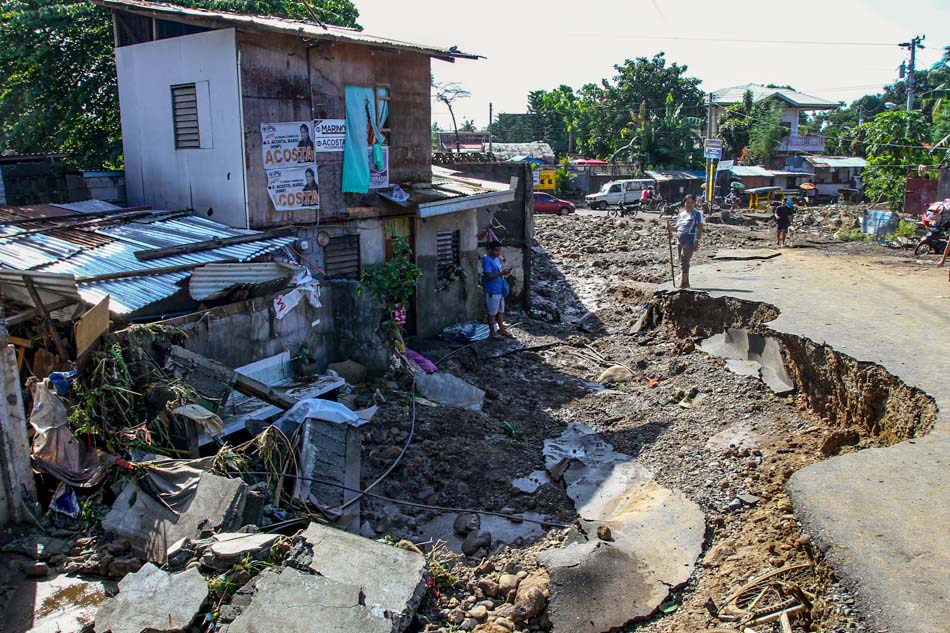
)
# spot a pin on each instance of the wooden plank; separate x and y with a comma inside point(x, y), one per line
point(32, 313)
point(57, 340)
point(91, 326)
point(170, 251)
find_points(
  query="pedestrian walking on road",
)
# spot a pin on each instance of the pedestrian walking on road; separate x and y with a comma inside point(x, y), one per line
point(689, 230)
point(494, 282)
point(783, 218)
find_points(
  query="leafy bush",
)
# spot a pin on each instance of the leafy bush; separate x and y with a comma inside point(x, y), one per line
point(392, 283)
point(853, 235)
point(906, 228)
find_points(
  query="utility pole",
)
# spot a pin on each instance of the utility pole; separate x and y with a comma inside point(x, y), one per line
point(490, 119)
point(913, 45)
point(710, 180)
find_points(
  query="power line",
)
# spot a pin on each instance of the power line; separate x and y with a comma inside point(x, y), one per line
point(726, 40)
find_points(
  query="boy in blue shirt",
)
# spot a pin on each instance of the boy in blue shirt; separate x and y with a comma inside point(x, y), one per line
point(494, 283)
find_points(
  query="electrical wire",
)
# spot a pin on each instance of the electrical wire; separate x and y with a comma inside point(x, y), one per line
point(725, 40)
point(412, 432)
point(426, 506)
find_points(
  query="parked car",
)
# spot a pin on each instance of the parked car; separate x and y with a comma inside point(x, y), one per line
point(546, 203)
point(619, 192)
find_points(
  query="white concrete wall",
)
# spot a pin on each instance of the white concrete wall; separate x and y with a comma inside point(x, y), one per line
point(156, 173)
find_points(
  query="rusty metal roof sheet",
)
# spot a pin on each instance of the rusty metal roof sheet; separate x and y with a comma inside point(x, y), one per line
point(43, 254)
point(297, 28)
point(836, 161)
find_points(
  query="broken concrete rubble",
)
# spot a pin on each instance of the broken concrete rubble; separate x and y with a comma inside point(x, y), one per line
point(656, 533)
point(229, 548)
point(293, 601)
point(217, 504)
point(450, 390)
point(153, 600)
point(391, 580)
point(341, 581)
point(751, 354)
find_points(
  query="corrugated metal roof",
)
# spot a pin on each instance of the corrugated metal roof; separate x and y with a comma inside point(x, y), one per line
point(672, 174)
point(836, 161)
point(47, 254)
point(214, 281)
point(749, 170)
point(88, 206)
point(734, 94)
point(308, 30)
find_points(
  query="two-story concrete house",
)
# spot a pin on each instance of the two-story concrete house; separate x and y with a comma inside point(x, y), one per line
point(261, 122)
point(793, 104)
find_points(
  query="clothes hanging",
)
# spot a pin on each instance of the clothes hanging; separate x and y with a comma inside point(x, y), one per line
point(362, 133)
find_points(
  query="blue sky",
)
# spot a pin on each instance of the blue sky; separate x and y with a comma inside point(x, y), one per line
point(534, 45)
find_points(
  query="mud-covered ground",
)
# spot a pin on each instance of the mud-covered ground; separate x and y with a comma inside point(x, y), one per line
point(732, 439)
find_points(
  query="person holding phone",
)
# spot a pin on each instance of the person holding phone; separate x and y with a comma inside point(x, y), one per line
point(493, 276)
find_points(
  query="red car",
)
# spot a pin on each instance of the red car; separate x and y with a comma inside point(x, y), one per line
point(546, 203)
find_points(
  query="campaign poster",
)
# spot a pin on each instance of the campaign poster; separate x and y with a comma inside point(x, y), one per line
point(379, 178)
point(329, 135)
point(294, 188)
point(287, 144)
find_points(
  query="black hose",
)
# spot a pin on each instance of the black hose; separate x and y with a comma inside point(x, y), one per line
point(512, 517)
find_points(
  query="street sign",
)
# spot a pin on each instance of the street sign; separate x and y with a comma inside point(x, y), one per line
point(712, 148)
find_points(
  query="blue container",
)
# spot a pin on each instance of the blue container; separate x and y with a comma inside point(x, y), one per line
point(879, 223)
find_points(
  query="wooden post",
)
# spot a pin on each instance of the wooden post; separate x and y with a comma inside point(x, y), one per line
point(60, 346)
point(669, 240)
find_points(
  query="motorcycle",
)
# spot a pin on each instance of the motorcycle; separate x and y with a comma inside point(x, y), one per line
point(934, 242)
point(631, 209)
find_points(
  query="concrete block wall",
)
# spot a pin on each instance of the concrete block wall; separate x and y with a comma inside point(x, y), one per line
point(516, 218)
point(462, 300)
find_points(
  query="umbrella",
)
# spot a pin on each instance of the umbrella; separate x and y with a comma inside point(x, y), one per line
point(807, 185)
point(737, 185)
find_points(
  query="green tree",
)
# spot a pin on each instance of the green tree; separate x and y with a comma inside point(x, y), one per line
point(57, 71)
point(895, 146)
point(468, 125)
point(597, 119)
point(735, 125)
point(513, 128)
point(765, 132)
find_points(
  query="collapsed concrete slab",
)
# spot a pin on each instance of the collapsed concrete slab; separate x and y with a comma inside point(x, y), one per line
point(391, 579)
point(217, 504)
point(153, 600)
point(751, 354)
point(337, 582)
point(293, 601)
point(656, 537)
point(450, 390)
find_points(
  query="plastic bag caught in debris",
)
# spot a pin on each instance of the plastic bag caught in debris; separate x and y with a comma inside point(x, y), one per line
point(53, 442)
point(65, 502)
point(327, 410)
point(198, 414)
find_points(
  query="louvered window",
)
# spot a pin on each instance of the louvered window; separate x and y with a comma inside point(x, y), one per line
point(341, 257)
point(447, 249)
point(185, 116)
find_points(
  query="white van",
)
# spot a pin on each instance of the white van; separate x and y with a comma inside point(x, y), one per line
point(618, 192)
